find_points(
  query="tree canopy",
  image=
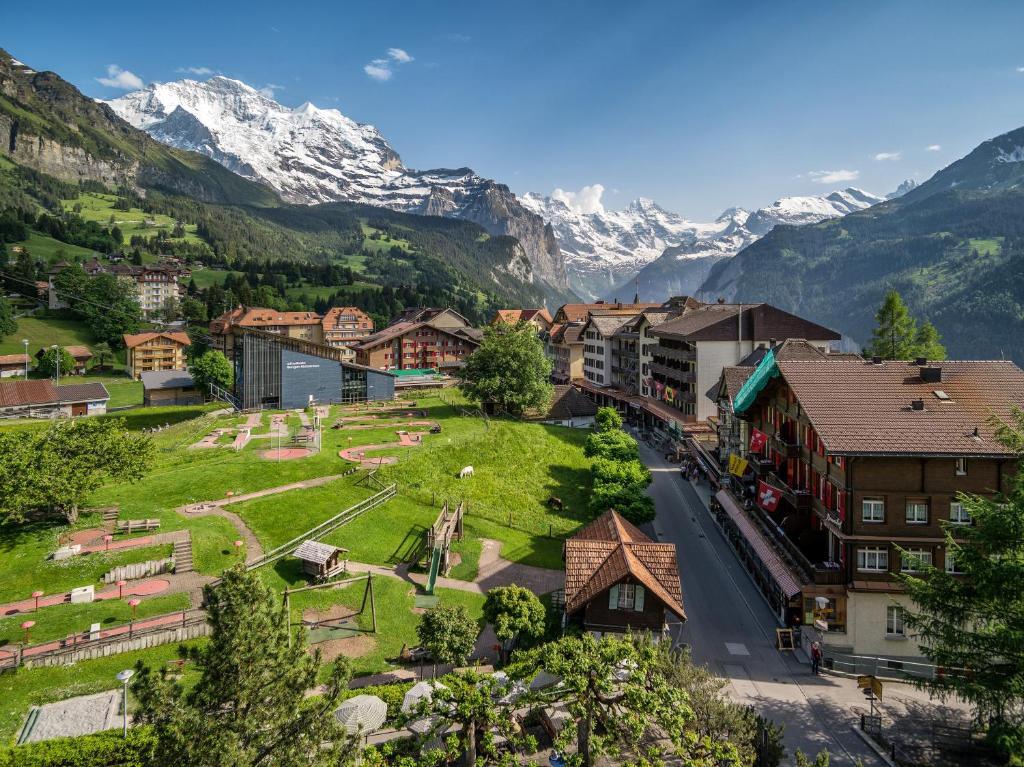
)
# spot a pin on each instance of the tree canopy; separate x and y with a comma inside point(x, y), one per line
point(56, 361)
point(212, 367)
point(515, 612)
point(607, 419)
point(250, 706)
point(509, 370)
point(8, 323)
point(53, 470)
point(973, 624)
point(448, 632)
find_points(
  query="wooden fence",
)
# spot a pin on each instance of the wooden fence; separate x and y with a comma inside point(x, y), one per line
point(139, 570)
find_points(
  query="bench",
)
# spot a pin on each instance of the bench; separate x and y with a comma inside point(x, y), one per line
point(137, 525)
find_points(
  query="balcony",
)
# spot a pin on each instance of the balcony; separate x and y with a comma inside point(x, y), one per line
point(682, 376)
point(786, 445)
point(679, 355)
point(801, 500)
point(829, 576)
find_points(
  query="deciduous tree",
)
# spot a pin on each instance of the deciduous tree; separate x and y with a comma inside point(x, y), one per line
point(250, 706)
point(607, 419)
point(516, 613)
point(55, 469)
point(112, 307)
point(509, 370)
point(615, 445)
point(448, 632)
point(56, 361)
point(8, 323)
point(212, 367)
point(972, 625)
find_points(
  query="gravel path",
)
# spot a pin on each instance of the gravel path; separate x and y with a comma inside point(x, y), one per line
point(83, 715)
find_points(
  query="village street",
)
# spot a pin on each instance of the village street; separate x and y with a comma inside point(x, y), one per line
point(730, 628)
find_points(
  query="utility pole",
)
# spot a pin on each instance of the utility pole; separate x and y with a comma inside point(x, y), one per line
point(56, 372)
point(25, 341)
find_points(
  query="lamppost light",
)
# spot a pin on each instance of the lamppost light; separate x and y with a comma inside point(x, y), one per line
point(124, 676)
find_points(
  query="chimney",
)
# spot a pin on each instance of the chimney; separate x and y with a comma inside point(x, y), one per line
point(931, 374)
point(771, 343)
point(876, 360)
point(917, 404)
point(921, 361)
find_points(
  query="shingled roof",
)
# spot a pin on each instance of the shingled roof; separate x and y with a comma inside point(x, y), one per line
point(87, 392)
point(858, 407)
point(569, 402)
point(722, 322)
point(16, 393)
point(610, 549)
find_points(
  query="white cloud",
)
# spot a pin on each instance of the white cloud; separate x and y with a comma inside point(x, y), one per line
point(883, 156)
point(382, 70)
point(833, 176)
point(1020, 69)
point(933, 147)
point(198, 71)
point(121, 79)
point(270, 89)
point(586, 200)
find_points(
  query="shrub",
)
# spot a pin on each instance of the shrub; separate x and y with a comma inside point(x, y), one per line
point(101, 750)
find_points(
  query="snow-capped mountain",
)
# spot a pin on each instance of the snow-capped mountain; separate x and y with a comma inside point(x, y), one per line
point(311, 155)
point(605, 251)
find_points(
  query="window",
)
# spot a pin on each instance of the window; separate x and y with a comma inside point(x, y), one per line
point(917, 512)
point(951, 565)
point(627, 596)
point(873, 559)
point(916, 560)
point(873, 510)
point(958, 514)
point(961, 467)
point(894, 621)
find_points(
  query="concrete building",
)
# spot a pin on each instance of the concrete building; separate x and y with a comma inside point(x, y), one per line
point(155, 351)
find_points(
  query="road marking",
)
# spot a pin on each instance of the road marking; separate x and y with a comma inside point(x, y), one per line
point(736, 648)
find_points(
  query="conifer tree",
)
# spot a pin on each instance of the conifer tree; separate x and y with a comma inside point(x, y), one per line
point(250, 706)
point(895, 334)
point(927, 343)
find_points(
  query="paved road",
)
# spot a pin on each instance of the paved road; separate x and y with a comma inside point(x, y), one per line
point(730, 628)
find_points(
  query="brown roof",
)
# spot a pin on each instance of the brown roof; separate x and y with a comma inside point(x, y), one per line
point(14, 393)
point(610, 549)
point(78, 352)
point(733, 378)
point(721, 322)
point(579, 312)
point(860, 408)
point(607, 324)
point(261, 317)
point(569, 402)
point(88, 392)
point(513, 316)
point(131, 340)
point(401, 328)
point(332, 315)
point(13, 359)
point(567, 333)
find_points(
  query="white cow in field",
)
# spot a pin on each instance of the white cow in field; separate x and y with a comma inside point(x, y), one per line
point(467, 471)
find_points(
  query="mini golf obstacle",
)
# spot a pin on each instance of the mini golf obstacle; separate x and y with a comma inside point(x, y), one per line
point(439, 541)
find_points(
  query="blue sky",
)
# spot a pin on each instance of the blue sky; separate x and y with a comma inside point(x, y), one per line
point(698, 106)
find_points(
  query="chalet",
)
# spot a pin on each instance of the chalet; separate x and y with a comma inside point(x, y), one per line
point(13, 365)
point(439, 339)
point(41, 399)
point(539, 318)
point(80, 354)
point(580, 312)
point(346, 326)
point(155, 351)
point(617, 579)
point(570, 407)
point(856, 461)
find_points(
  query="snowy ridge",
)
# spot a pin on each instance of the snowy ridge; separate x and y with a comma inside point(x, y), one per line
point(311, 155)
point(606, 249)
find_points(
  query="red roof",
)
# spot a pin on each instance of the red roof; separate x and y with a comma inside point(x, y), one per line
point(610, 549)
point(16, 393)
point(131, 340)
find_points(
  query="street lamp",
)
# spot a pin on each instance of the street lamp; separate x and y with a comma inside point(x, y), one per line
point(56, 372)
point(123, 677)
point(25, 341)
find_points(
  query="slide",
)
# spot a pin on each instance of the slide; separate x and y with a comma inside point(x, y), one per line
point(435, 565)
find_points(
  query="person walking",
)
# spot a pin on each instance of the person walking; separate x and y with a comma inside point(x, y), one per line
point(815, 658)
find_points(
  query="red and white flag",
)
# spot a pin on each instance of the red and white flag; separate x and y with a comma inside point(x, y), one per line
point(767, 496)
point(758, 439)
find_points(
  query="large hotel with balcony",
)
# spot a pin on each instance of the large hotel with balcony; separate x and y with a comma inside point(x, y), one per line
point(854, 473)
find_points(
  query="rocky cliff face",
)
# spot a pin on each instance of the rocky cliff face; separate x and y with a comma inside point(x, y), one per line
point(311, 155)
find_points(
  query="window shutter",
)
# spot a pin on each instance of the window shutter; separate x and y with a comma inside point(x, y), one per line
point(638, 600)
point(613, 597)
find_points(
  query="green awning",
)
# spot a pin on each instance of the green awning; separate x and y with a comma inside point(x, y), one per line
point(763, 373)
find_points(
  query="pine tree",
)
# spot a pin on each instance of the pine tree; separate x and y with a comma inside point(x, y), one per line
point(896, 332)
point(250, 705)
point(8, 322)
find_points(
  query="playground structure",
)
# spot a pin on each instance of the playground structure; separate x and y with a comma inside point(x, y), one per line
point(323, 630)
point(446, 527)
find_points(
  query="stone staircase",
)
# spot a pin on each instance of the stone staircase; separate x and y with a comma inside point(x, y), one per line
point(110, 518)
point(182, 556)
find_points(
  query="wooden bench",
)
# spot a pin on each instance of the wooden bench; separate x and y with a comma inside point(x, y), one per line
point(137, 525)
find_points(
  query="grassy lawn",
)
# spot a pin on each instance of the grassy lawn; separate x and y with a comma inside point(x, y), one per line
point(48, 249)
point(100, 207)
point(206, 277)
point(46, 332)
point(59, 621)
point(124, 393)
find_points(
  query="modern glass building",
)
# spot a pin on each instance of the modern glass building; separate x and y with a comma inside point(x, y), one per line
point(275, 371)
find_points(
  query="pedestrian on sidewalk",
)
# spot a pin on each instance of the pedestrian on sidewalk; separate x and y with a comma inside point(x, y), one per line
point(815, 658)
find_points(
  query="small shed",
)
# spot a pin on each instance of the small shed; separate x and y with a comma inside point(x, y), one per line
point(319, 560)
point(570, 407)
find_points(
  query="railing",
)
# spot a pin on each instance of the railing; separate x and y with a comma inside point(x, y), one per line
point(680, 355)
point(801, 499)
point(686, 376)
point(324, 528)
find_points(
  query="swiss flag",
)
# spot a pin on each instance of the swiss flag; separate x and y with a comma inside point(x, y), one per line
point(767, 496)
point(758, 439)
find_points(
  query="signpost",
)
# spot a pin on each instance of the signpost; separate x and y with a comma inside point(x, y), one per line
point(784, 639)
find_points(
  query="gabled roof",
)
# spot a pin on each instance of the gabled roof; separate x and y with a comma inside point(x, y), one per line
point(332, 316)
point(78, 352)
point(513, 316)
point(723, 322)
point(567, 333)
point(607, 324)
point(166, 379)
point(261, 317)
point(88, 392)
point(579, 312)
point(15, 393)
point(131, 340)
point(569, 402)
point(610, 549)
point(13, 359)
point(316, 552)
point(401, 328)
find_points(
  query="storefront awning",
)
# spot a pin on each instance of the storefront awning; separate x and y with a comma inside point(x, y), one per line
point(781, 574)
